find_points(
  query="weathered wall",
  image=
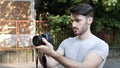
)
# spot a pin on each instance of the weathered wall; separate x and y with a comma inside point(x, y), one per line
point(16, 32)
point(15, 10)
point(14, 16)
point(16, 56)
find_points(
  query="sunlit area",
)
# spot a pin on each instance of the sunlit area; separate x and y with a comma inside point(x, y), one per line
point(22, 20)
point(15, 10)
point(16, 29)
point(15, 19)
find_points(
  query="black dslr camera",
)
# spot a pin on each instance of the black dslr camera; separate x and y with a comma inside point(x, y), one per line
point(37, 40)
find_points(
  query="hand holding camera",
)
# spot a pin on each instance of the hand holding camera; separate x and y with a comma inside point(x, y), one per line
point(37, 40)
point(43, 42)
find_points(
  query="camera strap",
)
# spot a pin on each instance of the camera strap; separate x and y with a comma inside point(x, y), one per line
point(37, 59)
point(44, 61)
point(37, 62)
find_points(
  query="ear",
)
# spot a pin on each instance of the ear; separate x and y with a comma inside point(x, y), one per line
point(90, 20)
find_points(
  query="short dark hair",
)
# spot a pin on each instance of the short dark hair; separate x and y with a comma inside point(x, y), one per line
point(82, 9)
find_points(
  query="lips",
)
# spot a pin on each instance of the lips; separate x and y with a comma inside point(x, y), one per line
point(75, 29)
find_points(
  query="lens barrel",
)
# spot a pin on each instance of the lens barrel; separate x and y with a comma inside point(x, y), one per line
point(37, 40)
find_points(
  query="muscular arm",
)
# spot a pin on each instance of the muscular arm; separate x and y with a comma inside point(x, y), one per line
point(90, 61)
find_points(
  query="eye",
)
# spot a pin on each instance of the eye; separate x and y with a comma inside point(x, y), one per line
point(71, 20)
point(77, 20)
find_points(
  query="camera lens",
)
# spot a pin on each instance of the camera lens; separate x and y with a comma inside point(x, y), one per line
point(37, 40)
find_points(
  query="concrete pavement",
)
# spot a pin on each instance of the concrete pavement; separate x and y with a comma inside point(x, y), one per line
point(19, 65)
point(111, 63)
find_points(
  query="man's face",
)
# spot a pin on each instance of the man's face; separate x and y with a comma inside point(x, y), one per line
point(79, 24)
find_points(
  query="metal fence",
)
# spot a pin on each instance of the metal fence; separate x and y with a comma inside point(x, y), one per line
point(16, 40)
point(18, 34)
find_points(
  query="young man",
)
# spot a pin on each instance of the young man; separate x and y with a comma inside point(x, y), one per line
point(83, 51)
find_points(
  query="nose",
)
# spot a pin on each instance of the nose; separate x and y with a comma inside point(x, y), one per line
point(74, 24)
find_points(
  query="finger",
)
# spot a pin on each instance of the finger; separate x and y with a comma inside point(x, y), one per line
point(40, 47)
point(46, 42)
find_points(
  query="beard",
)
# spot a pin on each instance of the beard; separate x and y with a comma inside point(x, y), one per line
point(80, 31)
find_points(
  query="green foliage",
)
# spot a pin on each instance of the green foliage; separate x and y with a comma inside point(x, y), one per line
point(64, 1)
point(60, 23)
point(106, 22)
point(110, 2)
point(60, 27)
point(106, 16)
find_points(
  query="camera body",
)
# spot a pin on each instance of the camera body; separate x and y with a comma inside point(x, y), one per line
point(37, 39)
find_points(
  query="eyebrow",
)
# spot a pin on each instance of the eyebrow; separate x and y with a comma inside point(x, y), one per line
point(75, 19)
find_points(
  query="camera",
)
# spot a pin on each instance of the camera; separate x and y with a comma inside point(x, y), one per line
point(37, 39)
